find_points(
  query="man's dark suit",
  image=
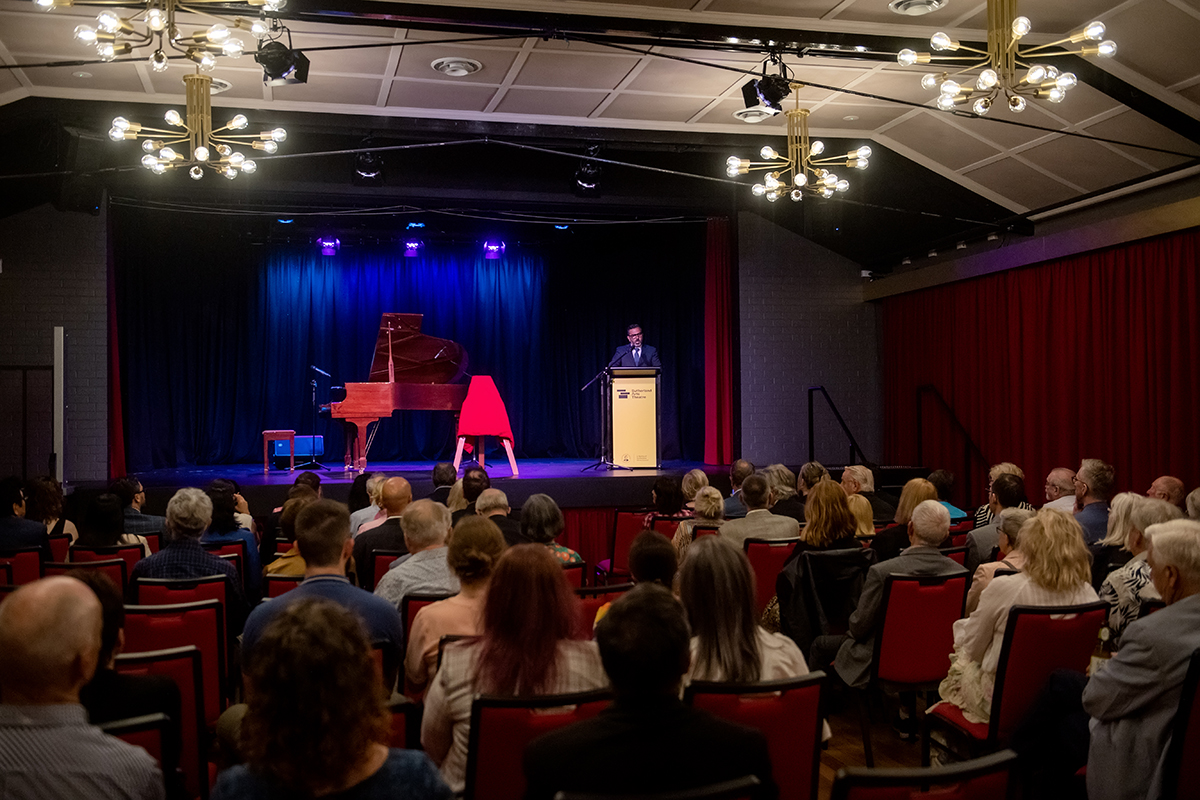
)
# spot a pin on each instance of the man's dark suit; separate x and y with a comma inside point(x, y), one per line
point(137, 522)
point(510, 528)
point(469, 511)
point(637, 749)
point(623, 357)
point(441, 494)
point(385, 536)
point(18, 532)
point(790, 507)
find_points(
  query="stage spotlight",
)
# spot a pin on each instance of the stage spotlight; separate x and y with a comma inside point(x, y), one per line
point(368, 167)
point(413, 248)
point(328, 245)
point(281, 64)
point(493, 248)
point(763, 97)
point(587, 175)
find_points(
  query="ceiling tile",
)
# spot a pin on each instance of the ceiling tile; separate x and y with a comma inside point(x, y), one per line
point(1158, 40)
point(870, 117)
point(655, 107)
point(897, 84)
point(8, 82)
point(245, 84)
point(722, 114)
point(1057, 17)
point(1191, 93)
point(331, 89)
point(776, 8)
point(415, 61)
point(369, 61)
point(927, 134)
point(995, 130)
point(440, 94)
point(1081, 103)
point(678, 4)
point(551, 103)
point(676, 77)
point(1083, 163)
point(1133, 127)
point(45, 34)
point(1021, 183)
point(875, 11)
point(576, 70)
point(107, 77)
point(572, 45)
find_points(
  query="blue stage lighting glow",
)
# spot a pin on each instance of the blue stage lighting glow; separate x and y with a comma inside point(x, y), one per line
point(416, 225)
point(412, 248)
point(285, 221)
point(561, 227)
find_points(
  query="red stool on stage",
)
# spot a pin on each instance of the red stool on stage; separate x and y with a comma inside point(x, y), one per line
point(273, 436)
point(484, 414)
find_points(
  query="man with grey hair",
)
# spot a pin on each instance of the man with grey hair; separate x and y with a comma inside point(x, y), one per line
point(1093, 489)
point(374, 510)
point(1169, 488)
point(424, 570)
point(1060, 490)
point(49, 649)
point(493, 504)
point(1133, 700)
point(858, 479)
point(929, 527)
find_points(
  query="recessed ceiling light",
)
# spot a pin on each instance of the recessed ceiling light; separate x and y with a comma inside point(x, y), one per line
point(219, 86)
point(81, 74)
point(915, 8)
point(850, 118)
point(456, 66)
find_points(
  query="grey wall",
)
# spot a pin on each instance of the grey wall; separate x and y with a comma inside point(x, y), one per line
point(803, 322)
point(54, 272)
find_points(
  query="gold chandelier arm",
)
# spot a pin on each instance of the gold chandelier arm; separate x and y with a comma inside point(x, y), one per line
point(939, 59)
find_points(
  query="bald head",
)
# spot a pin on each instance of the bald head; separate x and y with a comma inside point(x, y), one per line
point(49, 641)
point(397, 494)
point(1168, 488)
point(1060, 483)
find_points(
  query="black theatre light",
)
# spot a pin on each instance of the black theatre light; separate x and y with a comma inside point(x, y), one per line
point(281, 64)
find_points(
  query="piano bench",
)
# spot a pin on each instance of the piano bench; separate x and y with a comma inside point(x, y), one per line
point(272, 436)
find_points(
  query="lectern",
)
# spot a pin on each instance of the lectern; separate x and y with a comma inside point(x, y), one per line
point(631, 411)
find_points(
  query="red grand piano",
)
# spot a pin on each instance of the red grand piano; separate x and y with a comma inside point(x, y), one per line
point(410, 372)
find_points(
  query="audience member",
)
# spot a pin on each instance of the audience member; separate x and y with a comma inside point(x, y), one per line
point(860, 509)
point(358, 498)
point(812, 473)
point(45, 505)
point(1008, 491)
point(647, 741)
point(1193, 505)
point(373, 510)
point(133, 498)
point(455, 500)
point(474, 549)
point(943, 484)
point(1057, 572)
point(444, 476)
point(652, 559)
point(526, 649)
point(1166, 487)
point(1110, 552)
point(104, 526)
point(15, 530)
point(1093, 488)
point(225, 529)
point(50, 635)
point(541, 523)
point(709, 512)
point(831, 525)
point(424, 570)
point(268, 545)
point(759, 523)
point(1060, 489)
point(739, 470)
point(667, 499)
point(891, 540)
point(313, 725)
point(984, 514)
point(858, 479)
point(474, 481)
point(493, 504)
point(1127, 588)
point(785, 500)
point(292, 562)
point(692, 482)
point(928, 526)
point(396, 495)
point(1008, 527)
point(241, 509)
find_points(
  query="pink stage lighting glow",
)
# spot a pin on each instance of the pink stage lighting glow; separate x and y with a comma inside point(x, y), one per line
point(328, 245)
point(493, 249)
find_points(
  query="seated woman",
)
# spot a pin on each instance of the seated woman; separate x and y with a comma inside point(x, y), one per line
point(45, 505)
point(1111, 552)
point(1011, 557)
point(709, 511)
point(542, 522)
point(335, 741)
point(290, 563)
point(785, 499)
point(864, 523)
point(525, 650)
point(474, 549)
point(891, 540)
point(104, 526)
point(830, 525)
point(1127, 588)
point(1057, 573)
point(693, 482)
point(668, 501)
point(225, 528)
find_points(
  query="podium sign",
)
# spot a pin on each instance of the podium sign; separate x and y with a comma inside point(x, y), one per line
point(633, 398)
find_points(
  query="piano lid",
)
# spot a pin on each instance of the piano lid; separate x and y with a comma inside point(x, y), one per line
point(417, 358)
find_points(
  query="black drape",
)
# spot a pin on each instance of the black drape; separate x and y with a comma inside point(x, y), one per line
point(217, 333)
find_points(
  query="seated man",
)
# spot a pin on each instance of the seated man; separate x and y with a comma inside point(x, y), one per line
point(647, 741)
point(493, 504)
point(50, 633)
point(1060, 489)
point(395, 497)
point(133, 497)
point(1008, 491)
point(475, 480)
point(424, 570)
point(1169, 488)
point(1093, 491)
point(735, 507)
point(858, 479)
point(15, 530)
point(759, 522)
point(443, 481)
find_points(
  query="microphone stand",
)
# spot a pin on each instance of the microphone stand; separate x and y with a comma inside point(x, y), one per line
point(605, 461)
point(312, 462)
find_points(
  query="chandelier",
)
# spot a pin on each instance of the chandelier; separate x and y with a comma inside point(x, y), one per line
point(802, 171)
point(1006, 72)
point(154, 23)
point(194, 144)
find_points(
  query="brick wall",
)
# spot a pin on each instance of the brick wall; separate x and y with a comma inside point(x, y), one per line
point(54, 272)
point(803, 322)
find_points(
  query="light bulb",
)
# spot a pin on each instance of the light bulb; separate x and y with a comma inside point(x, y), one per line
point(223, 150)
point(233, 48)
point(201, 153)
point(1056, 95)
point(1016, 104)
point(278, 134)
point(230, 173)
point(148, 161)
point(149, 145)
point(768, 152)
point(1066, 81)
point(861, 163)
point(981, 106)
point(159, 168)
point(275, 5)
point(159, 61)
point(772, 196)
point(863, 152)
point(109, 21)
point(945, 102)
point(196, 173)
point(816, 148)
point(116, 134)
point(236, 159)
point(906, 57)
point(1021, 26)
point(758, 190)
point(1036, 74)
point(830, 180)
point(249, 167)
point(801, 179)
point(827, 193)
point(167, 154)
point(950, 88)
point(47, 4)
point(987, 79)
point(942, 41)
point(270, 147)
point(842, 185)
point(732, 171)
point(85, 34)
point(239, 122)
point(207, 62)
point(217, 33)
point(121, 123)
point(733, 161)
point(156, 19)
point(1051, 72)
point(1094, 31)
point(260, 29)
point(1107, 49)
point(172, 117)
point(930, 80)
point(771, 182)
point(797, 195)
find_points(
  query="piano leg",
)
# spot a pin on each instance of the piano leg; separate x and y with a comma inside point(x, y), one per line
point(360, 444)
point(479, 447)
point(512, 461)
point(462, 440)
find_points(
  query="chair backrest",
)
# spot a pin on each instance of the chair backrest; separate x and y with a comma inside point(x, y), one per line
point(406, 724)
point(986, 778)
point(788, 712)
point(964, 527)
point(129, 553)
point(917, 637)
point(958, 539)
point(744, 788)
point(277, 585)
point(1037, 641)
point(626, 526)
point(282, 546)
point(1182, 767)
point(170, 591)
point(26, 563)
point(412, 603)
point(60, 545)
point(501, 727)
point(575, 573)
point(233, 551)
point(184, 666)
point(6, 574)
point(767, 557)
point(836, 579)
point(147, 732)
point(590, 601)
point(114, 568)
point(153, 541)
point(956, 554)
point(201, 624)
point(665, 525)
point(378, 563)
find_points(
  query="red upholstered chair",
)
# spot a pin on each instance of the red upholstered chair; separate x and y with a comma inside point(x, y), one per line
point(1181, 772)
point(699, 530)
point(112, 567)
point(201, 624)
point(406, 724)
point(129, 553)
point(283, 546)
point(590, 601)
point(964, 527)
point(153, 541)
point(148, 732)
point(6, 575)
point(483, 414)
point(277, 585)
point(60, 543)
point(738, 789)
point(958, 539)
point(184, 666)
point(912, 648)
point(170, 591)
point(788, 712)
point(1037, 641)
point(626, 526)
point(766, 559)
point(501, 727)
point(236, 549)
point(378, 563)
point(956, 554)
point(665, 525)
point(987, 778)
point(412, 603)
point(575, 573)
point(26, 563)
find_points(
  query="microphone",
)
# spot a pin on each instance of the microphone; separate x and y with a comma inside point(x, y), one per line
point(319, 371)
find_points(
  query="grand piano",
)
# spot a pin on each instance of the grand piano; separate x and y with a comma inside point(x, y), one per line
point(410, 372)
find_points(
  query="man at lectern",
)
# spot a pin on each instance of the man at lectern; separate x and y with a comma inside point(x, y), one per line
point(635, 354)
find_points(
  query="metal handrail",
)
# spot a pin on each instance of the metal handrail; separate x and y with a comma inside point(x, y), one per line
point(854, 447)
point(969, 446)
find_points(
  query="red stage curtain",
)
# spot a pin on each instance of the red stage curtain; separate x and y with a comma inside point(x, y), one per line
point(588, 532)
point(718, 344)
point(1094, 356)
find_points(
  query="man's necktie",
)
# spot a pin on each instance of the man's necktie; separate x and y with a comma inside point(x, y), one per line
point(637, 356)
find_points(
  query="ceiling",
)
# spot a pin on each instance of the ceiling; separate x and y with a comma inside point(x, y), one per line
point(658, 81)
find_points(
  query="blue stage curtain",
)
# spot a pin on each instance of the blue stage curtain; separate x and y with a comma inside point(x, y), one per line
point(217, 337)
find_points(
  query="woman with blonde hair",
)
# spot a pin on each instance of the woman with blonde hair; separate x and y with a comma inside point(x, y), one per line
point(1112, 552)
point(983, 514)
point(709, 512)
point(1057, 572)
point(693, 482)
point(860, 507)
point(456, 501)
point(891, 540)
point(830, 524)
